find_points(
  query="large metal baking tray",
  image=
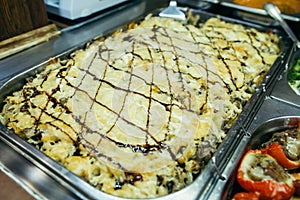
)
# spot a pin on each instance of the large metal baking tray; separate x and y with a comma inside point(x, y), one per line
point(203, 183)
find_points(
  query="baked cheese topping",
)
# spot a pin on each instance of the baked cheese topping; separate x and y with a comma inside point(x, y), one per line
point(138, 113)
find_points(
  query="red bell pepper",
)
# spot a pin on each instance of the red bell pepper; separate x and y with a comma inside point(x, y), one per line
point(297, 181)
point(246, 196)
point(261, 174)
point(277, 152)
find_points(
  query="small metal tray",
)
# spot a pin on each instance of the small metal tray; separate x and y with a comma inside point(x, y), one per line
point(206, 4)
point(256, 11)
point(202, 185)
point(262, 133)
point(282, 90)
point(273, 115)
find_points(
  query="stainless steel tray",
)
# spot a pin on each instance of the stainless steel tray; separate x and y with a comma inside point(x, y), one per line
point(263, 131)
point(75, 187)
point(231, 4)
point(282, 90)
point(205, 4)
point(253, 15)
point(272, 115)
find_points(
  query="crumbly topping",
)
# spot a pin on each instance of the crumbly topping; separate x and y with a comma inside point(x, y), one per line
point(139, 113)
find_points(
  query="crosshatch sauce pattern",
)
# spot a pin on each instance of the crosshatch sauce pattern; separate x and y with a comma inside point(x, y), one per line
point(138, 114)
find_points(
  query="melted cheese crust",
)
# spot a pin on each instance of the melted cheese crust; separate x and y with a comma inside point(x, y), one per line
point(138, 113)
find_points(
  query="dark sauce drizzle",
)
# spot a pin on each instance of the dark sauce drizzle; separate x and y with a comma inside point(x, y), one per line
point(143, 148)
